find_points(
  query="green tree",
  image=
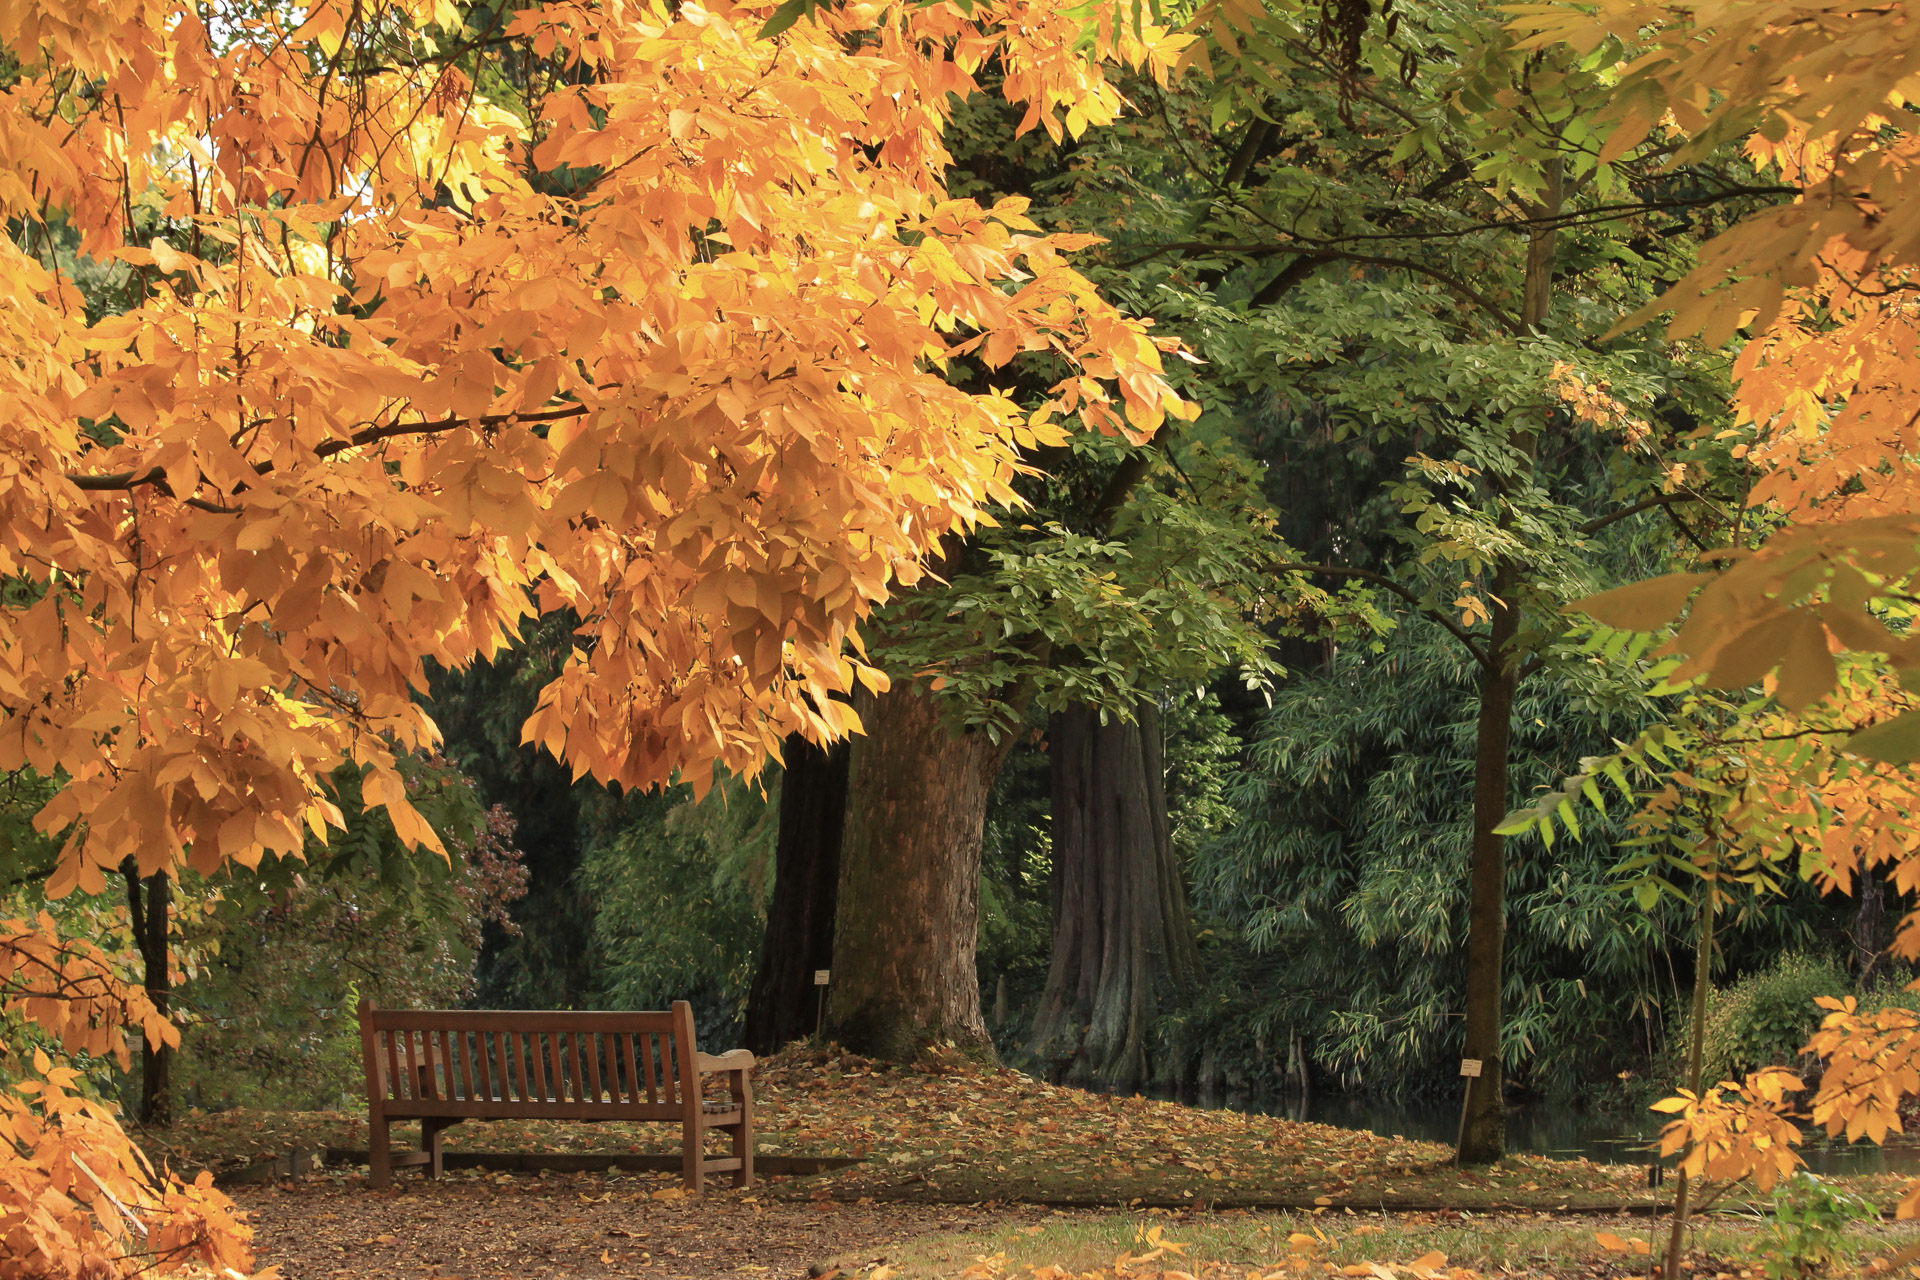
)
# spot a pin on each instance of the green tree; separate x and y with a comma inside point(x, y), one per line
point(1403, 244)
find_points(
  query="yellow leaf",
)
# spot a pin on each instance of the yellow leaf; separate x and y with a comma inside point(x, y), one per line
point(1642, 606)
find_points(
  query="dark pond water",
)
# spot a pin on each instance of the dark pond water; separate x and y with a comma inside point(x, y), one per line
point(1559, 1131)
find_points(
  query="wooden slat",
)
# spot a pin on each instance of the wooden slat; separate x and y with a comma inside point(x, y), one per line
point(469, 1087)
point(412, 1062)
point(556, 1069)
point(533, 1076)
point(646, 1061)
point(571, 1042)
point(534, 1050)
point(483, 1048)
point(394, 1086)
point(519, 1020)
point(450, 1064)
point(487, 1069)
point(517, 1047)
point(497, 1109)
point(623, 1043)
point(597, 1045)
point(441, 1072)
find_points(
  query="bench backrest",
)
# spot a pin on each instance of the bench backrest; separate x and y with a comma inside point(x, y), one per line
point(500, 1061)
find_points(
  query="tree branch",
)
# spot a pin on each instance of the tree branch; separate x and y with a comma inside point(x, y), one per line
point(123, 480)
point(1460, 633)
point(1645, 504)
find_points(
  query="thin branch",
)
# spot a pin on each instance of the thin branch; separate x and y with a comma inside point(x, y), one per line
point(1645, 504)
point(1460, 633)
point(1581, 217)
point(121, 480)
point(1686, 530)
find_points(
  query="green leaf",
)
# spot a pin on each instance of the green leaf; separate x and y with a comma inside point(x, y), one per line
point(785, 16)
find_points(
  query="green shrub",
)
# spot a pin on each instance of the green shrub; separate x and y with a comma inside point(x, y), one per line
point(1809, 1233)
point(1763, 1019)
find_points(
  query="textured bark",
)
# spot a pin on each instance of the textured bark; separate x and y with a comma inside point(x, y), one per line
point(908, 915)
point(1122, 944)
point(1869, 925)
point(1483, 1133)
point(148, 912)
point(1483, 1128)
point(784, 1003)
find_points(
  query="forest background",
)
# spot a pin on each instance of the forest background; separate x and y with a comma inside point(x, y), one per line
point(1253, 694)
point(1285, 593)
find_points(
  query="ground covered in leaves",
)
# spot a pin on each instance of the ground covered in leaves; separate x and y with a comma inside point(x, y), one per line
point(966, 1174)
point(471, 1226)
point(955, 1134)
point(503, 1227)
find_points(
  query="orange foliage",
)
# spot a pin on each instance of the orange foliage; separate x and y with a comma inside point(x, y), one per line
point(659, 333)
point(69, 987)
point(1735, 1131)
point(77, 1200)
point(383, 395)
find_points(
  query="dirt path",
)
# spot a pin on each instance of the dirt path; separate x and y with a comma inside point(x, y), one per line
point(494, 1227)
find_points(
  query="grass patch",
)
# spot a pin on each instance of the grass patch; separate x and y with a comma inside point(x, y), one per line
point(1276, 1246)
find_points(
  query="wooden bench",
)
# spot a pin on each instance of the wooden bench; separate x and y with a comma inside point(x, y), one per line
point(443, 1066)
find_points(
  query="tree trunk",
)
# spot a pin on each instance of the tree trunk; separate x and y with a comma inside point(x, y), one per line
point(909, 904)
point(1122, 943)
point(783, 1004)
point(1483, 1129)
point(1869, 925)
point(1696, 1061)
point(1483, 1134)
point(148, 914)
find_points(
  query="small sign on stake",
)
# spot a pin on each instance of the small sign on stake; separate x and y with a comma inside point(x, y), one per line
point(1470, 1071)
point(821, 976)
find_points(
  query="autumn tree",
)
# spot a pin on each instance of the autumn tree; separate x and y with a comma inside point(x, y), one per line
point(408, 353)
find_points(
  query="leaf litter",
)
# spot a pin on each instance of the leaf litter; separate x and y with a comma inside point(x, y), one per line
point(936, 1140)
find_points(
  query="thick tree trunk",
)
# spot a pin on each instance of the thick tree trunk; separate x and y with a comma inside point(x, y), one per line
point(148, 914)
point(783, 1004)
point(903, 950)
point(1483, 1129)
point(1122, 944)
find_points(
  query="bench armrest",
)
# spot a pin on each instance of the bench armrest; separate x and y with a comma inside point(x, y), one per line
point(734, 1060)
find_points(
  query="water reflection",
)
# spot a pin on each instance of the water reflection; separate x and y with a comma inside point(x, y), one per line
point(1549, 1130)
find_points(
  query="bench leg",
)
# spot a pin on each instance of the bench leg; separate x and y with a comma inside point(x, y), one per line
point(692, 1150)
point(379, 1153)
point(742, 1089)
point(430, 1131)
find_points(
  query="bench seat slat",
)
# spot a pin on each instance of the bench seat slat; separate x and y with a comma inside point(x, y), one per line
point(516, 1109)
